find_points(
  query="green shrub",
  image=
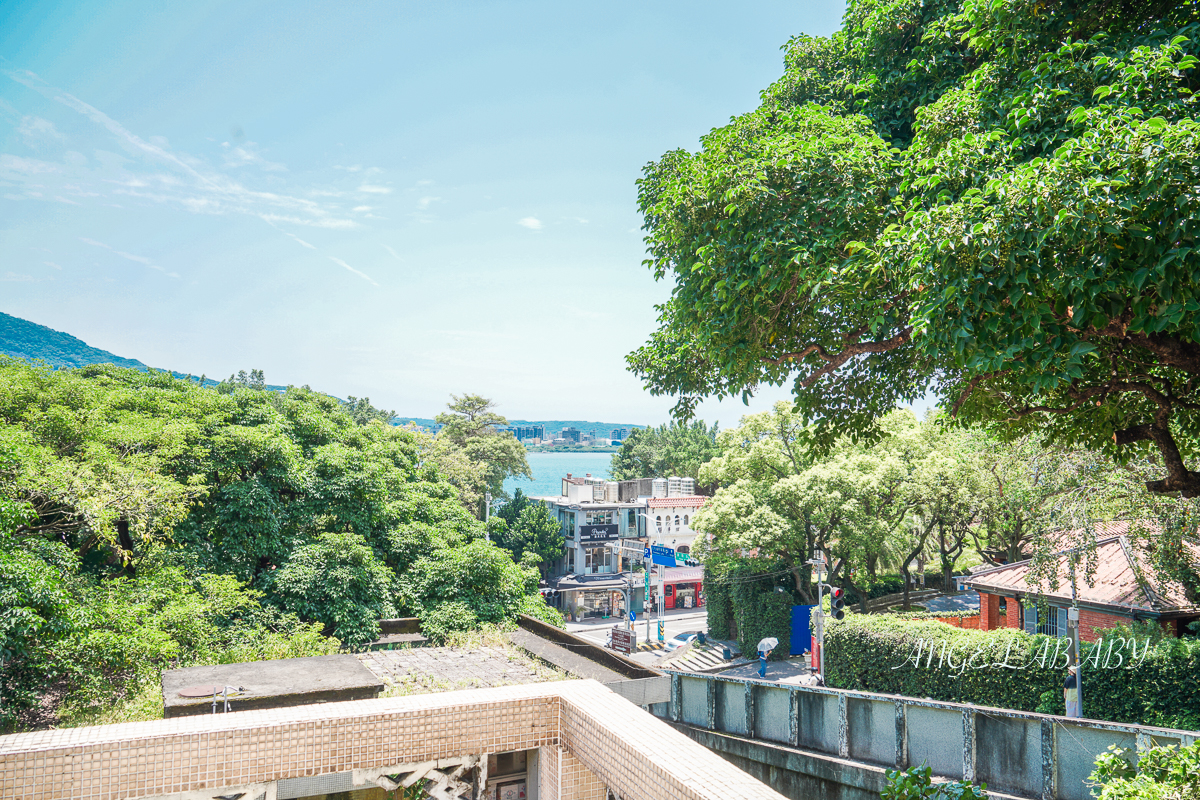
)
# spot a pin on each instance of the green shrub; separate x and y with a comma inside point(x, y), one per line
point(917, 783)
point(717, 604)
point(448, 618)
point(869, 652)
point(337, 581)
point(34, 617)
point(1162, 773)
point(770, 615)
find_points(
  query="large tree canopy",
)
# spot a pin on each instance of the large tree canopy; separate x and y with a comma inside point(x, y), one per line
point(996, 200)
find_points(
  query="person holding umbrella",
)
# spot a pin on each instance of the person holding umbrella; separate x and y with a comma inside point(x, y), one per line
point(764, 650)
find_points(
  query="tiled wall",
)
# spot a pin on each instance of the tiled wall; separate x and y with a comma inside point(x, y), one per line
point(589, 738)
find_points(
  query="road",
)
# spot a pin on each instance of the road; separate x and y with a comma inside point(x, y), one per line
point(678, 621)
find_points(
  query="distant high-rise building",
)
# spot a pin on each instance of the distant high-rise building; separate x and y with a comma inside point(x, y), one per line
point(619, 433)
point(571, 434)
point(526, 432)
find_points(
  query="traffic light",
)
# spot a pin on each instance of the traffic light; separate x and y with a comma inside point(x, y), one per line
point(691, 562)
point(837, 602)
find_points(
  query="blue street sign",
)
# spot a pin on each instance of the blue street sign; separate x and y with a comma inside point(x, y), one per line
point(647, 553)
point(632, 615)
point(663, 556)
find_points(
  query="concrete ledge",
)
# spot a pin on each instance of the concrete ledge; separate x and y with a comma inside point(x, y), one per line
point(624, 667)
point(272, 684)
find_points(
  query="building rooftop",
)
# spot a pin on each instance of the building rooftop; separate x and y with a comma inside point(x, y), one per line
point(682, 501)
point(1124, 577)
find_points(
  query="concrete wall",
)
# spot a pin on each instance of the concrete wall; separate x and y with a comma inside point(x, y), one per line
point(809, 742)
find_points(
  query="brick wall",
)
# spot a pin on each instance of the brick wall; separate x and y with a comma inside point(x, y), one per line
point(1012, 613)
point(1090, 620)
point(989, 612)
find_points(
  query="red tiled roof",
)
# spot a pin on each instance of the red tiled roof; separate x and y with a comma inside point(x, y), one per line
point(1123, 579)
point(685, 501)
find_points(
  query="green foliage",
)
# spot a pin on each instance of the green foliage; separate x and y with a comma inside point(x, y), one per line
point(675, 449)
point(869, 652)
point(147, 522)
point(34, 617)
point(1162, 773)
point(478, 577)
point(916, 783)
point(475, 455)
point(989, 199)
point(528, 527)
point(745, 594)
point(718, 601)
point(338, 581)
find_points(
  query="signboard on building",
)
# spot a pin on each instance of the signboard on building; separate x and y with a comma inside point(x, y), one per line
point(597, 533)
point(624, 641)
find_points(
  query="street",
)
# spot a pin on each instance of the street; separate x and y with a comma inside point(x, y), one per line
point(678, 621)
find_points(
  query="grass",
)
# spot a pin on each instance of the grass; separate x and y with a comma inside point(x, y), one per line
point(145, 704)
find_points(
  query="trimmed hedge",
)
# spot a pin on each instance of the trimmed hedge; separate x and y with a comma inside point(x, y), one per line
point(769, 614)
point(874, 653)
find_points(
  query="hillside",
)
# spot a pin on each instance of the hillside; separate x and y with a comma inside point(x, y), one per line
point(24, 339)
point(21, 338)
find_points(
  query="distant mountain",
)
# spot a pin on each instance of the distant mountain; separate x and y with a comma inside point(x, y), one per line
point(602, 429)
point(24, 339)
point(21, 338)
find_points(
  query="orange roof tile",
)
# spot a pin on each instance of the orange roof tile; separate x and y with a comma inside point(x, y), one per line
point(683, 501)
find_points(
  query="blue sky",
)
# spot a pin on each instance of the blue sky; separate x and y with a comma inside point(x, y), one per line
point(392, 199)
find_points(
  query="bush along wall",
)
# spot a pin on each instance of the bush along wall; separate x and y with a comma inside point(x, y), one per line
point(743, 603)
point(1123, 682)
point(717, 602)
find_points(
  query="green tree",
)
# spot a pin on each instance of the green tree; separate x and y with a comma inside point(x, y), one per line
point(528, 527)
point(675, 449)
point(338, 581)
point(989, 199)
point(786, 500)
point(470, 434)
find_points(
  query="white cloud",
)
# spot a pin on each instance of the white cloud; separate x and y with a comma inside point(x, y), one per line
point(187, 182)
point(426, 202)
point(51, 264)
point(395, 255)
point(533, 223)
point(26, 166)
point(15, 278)
point(36, 131)
point(361, 208)
point(362, 275)
point(248, 155)
point(301, 241)
point(372, 189)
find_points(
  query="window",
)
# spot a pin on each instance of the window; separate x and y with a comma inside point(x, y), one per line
point(676, 520)
point(1047, 619)
point(658, 519)
point(596, 560)
point(685, 521)
point(599, 517)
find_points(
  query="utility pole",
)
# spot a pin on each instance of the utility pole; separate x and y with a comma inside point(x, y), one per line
point(1073, 624)
point(818, 561)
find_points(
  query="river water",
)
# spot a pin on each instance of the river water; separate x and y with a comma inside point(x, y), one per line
point(550, 468)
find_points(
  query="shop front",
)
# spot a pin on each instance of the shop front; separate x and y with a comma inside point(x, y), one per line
point(684, 587)
point(598, 597)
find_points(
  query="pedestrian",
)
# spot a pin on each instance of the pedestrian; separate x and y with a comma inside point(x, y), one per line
point(762, 662)
point(1071, 691)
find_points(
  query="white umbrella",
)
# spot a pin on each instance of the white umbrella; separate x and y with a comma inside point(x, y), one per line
point(769, 643)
